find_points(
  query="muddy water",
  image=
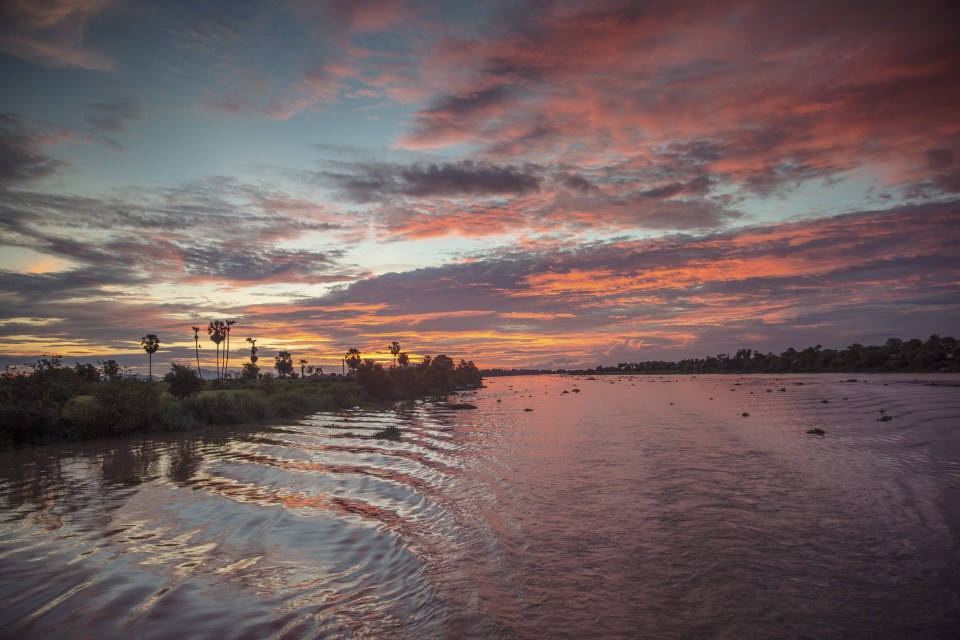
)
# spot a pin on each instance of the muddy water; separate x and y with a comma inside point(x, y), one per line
point(627, 507)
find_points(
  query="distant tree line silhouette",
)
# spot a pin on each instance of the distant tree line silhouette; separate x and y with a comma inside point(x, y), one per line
point(936, 354)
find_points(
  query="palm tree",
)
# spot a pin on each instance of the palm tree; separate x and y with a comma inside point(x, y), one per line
point(253, 350)
point(394, 349)
point(217, 331)
point(352, 358)
point(196, 343)
point(226, 358)
point(150, 344)
point(303, 363)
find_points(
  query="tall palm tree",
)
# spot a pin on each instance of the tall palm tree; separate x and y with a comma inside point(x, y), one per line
point(196, 343)
point(253, 350)
point(217, 330)
point(150, 344)
point(303, 363)
point(229, 323)
point(395, 350)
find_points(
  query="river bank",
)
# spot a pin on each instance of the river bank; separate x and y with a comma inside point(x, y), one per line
point(58, 404)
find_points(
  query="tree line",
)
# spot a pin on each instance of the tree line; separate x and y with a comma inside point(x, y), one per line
point(219, 333)
point(936, 354)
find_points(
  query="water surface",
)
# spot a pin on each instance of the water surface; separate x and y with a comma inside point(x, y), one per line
point(619, 507)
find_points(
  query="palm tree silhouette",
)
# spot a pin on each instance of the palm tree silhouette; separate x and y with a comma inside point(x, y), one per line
point(303, 363)
point(217, 330)
point(196, 343)
point(226, 358)
point(253, 350)
point(395, 350)
point(150, 344)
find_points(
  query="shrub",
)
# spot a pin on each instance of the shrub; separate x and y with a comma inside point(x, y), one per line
point(184, 381)
point(173, 416)
point(126, 404)
point(390, 433)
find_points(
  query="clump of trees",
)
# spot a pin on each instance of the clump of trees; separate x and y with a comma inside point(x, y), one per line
point(51, 402)
point(284, 364)
point(433, 376)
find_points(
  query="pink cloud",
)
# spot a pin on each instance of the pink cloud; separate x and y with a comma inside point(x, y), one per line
point(784, 93)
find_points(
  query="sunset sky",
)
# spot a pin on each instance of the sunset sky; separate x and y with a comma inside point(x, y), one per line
point(537, 184)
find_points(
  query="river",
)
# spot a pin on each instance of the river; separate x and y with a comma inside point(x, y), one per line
point(562, 507)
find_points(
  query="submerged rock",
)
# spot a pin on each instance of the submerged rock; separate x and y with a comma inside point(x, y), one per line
point(817, 431)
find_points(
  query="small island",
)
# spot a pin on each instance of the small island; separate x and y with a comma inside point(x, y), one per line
point(50, 402)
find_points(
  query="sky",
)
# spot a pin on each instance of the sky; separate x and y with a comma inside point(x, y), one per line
point(521, 184)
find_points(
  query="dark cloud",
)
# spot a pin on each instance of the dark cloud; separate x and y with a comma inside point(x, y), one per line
point(40, 293)
point(454, 106)
point(948, 182)
point(373, 182)
point(575, 182)
point(698, 186)
point(939, 158)
point(467, 178)
point(22, 158)
point(270, 266)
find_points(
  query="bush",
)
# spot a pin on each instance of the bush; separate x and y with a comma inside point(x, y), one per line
point(390, 433)
point(184, 381)
point(173, 416)
point(127, 405)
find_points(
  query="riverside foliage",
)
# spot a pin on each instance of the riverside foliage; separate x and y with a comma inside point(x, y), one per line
point(55, 403)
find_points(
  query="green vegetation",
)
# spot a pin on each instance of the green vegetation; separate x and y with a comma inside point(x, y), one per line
point(390, 433)
point(53, 403)
point(183, 381)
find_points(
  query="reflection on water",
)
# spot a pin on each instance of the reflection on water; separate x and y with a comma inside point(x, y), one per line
point(625, 507)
